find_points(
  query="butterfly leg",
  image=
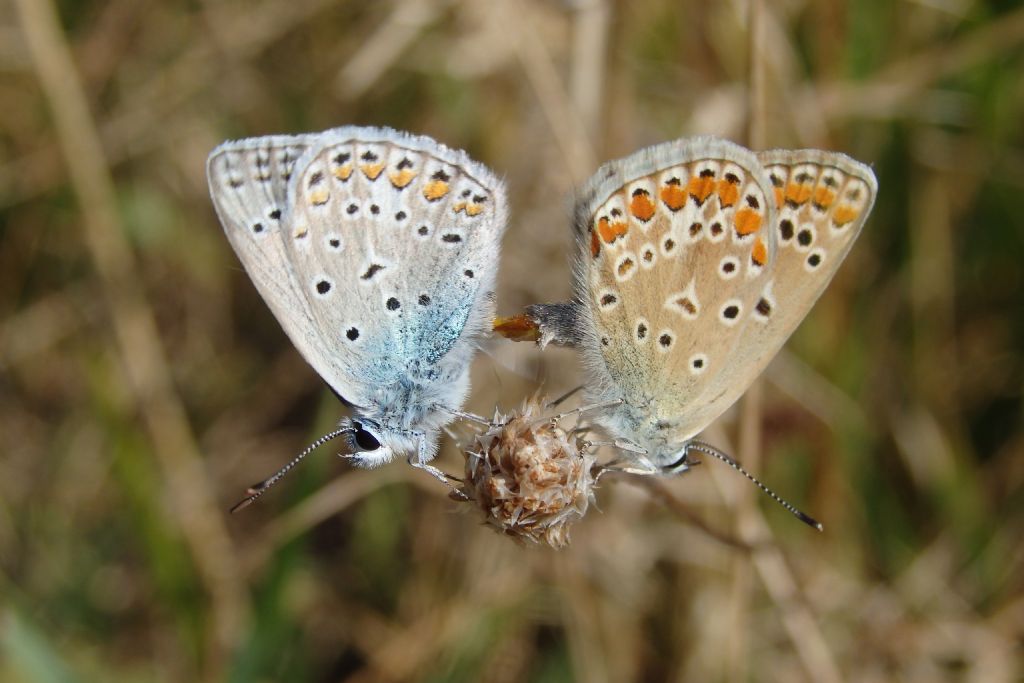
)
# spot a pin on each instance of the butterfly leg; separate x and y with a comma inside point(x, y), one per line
point(421, 461)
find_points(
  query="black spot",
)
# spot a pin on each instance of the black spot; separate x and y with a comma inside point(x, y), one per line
point(316, 178)
point(687, 305)
point(853, 195)
point(731, 312)
point(404, 163)
point(608, 299)
point(275, 214)
point(468, 273)
point(479, 199)
point(451, 238)
point(732, 178)
point(441, 175)
point(698, 363)
point(695, 229)
point(393, 304)
point(368, 156)
point(752, 202)
point(776, 180)
point(707, 173)
point(323, 287)
point(640, 192)
point(665, 340)
point(237, 182)
point(352, 334)
point(423, 230)
point(728, 267)
point(716, 229)
point(424, 299)
point(374, 209)
point(352, 208)
point(604, 341)
point(674, 181)
point(334, 242)
point(814, 260)
point(648, 256)
point(804, 237)
point(371, 271)
point(467, 192)
point(786, 229)
point(829, 181)
point(616, 213)
point(670, 244)
point(258, 227)
point(400, 216)
point(641, 331)
point(342, 158)
point(764, 307)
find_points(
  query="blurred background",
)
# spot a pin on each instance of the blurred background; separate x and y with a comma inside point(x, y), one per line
point(144, 384)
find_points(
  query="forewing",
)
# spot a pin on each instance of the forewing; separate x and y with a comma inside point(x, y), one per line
point(675, 251)
point(391, 243)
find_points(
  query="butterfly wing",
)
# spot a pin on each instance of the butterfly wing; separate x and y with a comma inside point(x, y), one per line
point(381, 264)
point(674, 251)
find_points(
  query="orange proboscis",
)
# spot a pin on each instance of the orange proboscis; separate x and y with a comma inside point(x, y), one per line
point(435, 189)
point(798, 193)
point(759, 254)
point(371, 171)
point(674, 196)
point(728, 193)
point(747, 221)
point(402, 178)
point(642, 207)
point(611, 231)
point(517, 328)
point(844, 214)
point(701, 187)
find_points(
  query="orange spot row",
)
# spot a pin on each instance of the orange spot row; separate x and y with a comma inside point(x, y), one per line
point(748, 221)
point(674, 196)
point(844, 214)
point(759, 254)
point(798, 193)
point(470, 208)
point(641, 206)
point(700, 187)
point(728, 193)
point(823, 197)
point(611, 231)
point(343, 173)
point(371, 171)
point(401, 178)
point(435, 190)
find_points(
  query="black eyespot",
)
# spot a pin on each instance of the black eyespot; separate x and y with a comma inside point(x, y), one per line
point(371, 271)
point(814, 260)
point(698, 363)
point(352, 208)
point(352, 334)
point(404, 163)
point(605, 341)
point(707, 173)
point(764, 307)
point(316, 178)
point(670, 244)
point(323, 287)
point(451, 238)
point(731, 312)
point(365, 440)
point(374, 209)
point(275, 214)
point(258, 227)
point(608, 299)
point(368, 156)
point(335, 243)
point(641, 331)
point(752, 202)
point(424, 299)
point(665, 340)
point(468, 273)
point(804, 237)
point(400, 216)
point(423, 230)
point(342, 158)
point(728, 267)
point(393, 304)
point(786, 229)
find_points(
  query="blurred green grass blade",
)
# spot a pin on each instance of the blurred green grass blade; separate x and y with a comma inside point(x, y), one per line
point(31, 653)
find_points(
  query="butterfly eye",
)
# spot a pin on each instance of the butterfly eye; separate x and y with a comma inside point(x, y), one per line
point(365, 440)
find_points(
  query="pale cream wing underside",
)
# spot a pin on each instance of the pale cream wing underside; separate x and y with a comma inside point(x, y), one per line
point(822, 200)
point(679, 253)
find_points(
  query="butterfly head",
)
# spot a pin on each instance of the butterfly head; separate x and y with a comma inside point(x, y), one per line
point(371, 443)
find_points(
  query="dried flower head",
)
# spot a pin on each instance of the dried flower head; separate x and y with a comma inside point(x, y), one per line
point(531, 478)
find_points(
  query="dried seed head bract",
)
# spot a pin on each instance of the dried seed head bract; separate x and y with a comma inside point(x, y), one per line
point(530, 477)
